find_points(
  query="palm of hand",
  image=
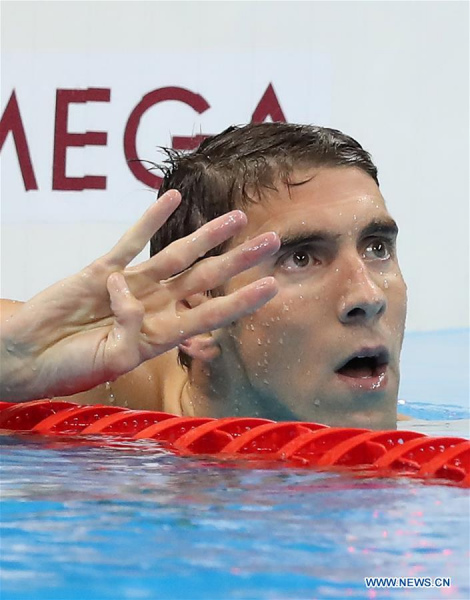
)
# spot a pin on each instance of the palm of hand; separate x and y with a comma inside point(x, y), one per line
point(107, 319)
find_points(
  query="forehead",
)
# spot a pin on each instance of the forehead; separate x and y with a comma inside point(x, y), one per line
point(337, 199)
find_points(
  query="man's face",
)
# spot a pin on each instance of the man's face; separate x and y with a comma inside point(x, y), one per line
point(326, 347)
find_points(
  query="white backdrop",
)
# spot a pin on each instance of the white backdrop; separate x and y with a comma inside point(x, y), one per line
point(395, 75)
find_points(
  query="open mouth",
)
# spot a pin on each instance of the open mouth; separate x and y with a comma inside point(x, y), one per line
point(365, 364)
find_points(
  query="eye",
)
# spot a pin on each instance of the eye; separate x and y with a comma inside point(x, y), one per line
point(378, 250)
point(298, 260)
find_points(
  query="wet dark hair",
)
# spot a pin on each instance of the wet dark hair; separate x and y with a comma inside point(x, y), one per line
point(234, 168)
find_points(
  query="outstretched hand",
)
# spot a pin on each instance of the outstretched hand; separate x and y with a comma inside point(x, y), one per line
point(109, 318)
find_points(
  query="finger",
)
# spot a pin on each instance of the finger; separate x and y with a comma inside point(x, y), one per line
point(213, 272)
point(221, 311)
point(182, 253)
point(136, 238)
point(122, 349)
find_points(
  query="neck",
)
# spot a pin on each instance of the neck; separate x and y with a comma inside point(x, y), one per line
point(214, 390)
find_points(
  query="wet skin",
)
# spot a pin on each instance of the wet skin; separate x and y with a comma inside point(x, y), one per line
point(341, 293)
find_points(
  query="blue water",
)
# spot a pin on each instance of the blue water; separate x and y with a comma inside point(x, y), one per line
point(435, 380)
point(81, 520)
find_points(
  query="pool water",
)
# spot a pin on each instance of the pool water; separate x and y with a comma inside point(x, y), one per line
point(435, 379)
point(131, 521)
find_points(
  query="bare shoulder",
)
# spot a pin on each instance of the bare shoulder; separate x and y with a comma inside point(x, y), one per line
point(154, 385)
point(137, 390)
point(9, 307)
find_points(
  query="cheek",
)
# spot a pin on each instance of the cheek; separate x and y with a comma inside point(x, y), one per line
point(289, 325)
point(245, 278)
point(398, 292)
point(265, 332)
point(397, 303)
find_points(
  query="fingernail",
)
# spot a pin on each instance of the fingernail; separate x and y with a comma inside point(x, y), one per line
point(172, 194)
point(235, 216)
point(266, 240)
point(263, 283)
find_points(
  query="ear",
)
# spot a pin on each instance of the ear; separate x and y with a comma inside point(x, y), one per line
point(203, 346)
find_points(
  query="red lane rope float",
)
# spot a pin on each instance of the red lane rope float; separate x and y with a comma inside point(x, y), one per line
point(369, 453)
point(26, 415)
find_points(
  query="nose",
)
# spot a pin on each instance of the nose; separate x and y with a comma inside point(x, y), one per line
point(362, 301)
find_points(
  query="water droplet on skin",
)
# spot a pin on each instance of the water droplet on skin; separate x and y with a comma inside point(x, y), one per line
point(112, 398)
point(355, 217)
point(259, 342)
point(281, 341)
point(385, 284)
point(265, 381)
point(252, 327)
point(316, 402)
point(181, 331)
point(379, 382)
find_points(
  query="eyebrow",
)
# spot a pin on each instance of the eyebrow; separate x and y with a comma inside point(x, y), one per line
point(385, 227)
point(377, 227)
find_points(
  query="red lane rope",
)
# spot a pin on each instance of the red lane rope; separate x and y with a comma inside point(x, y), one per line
point(370, 453)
